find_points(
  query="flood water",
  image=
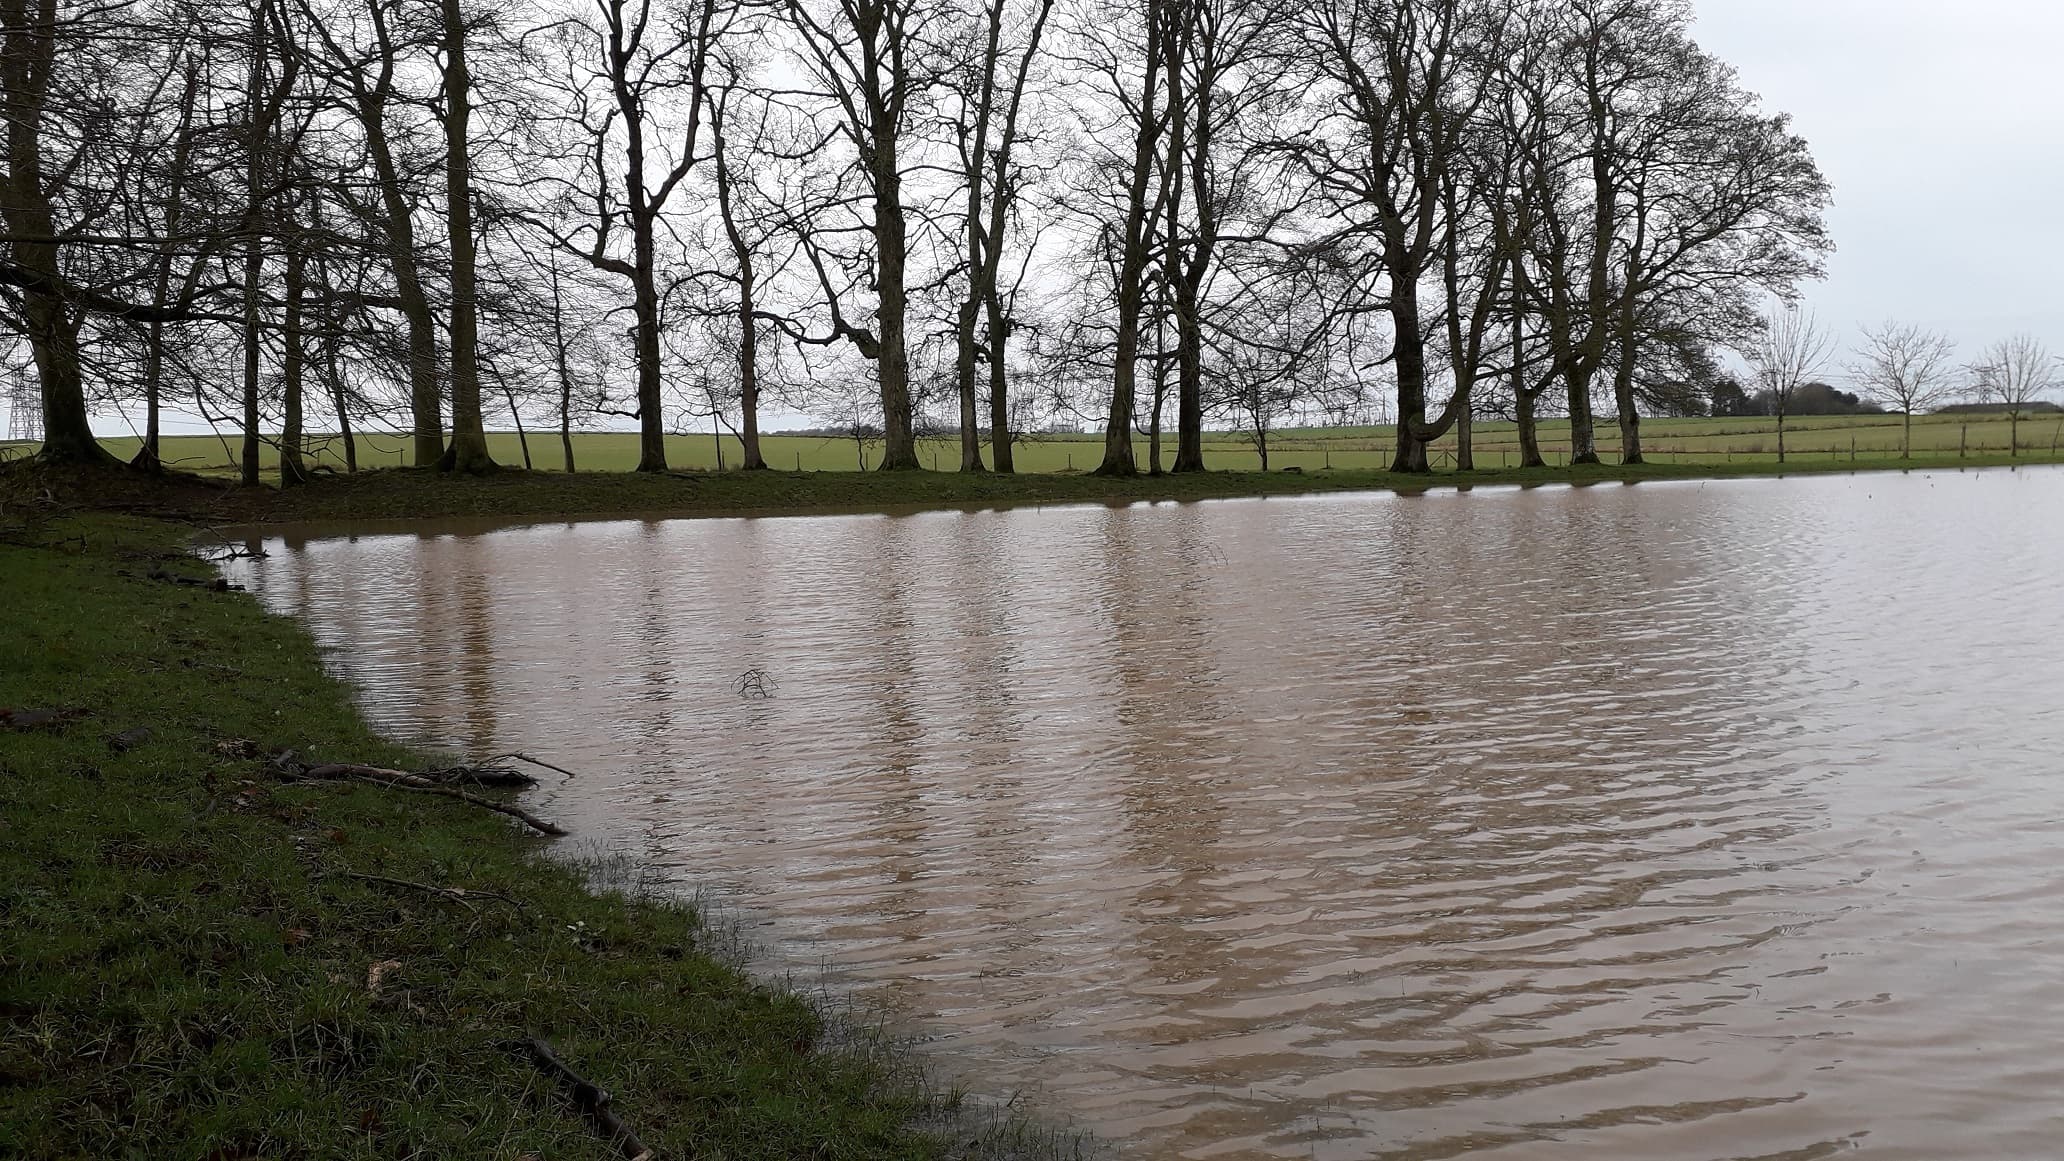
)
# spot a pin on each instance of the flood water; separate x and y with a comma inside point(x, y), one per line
point(1674, 821)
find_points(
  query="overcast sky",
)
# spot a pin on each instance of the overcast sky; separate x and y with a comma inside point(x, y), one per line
point(1941, 126)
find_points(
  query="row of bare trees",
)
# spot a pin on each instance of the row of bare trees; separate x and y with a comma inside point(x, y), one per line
point(1904, 368)
point(410, 214)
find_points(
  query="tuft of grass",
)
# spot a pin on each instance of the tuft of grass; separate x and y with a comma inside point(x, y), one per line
point(189, 970)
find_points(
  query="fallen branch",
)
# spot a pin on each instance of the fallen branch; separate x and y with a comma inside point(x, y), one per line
point(592, 1099)
point(238, 554)
point(522, 757)
point(295, 771)
point(518, 813)
point(459, 895)
point(481, 775)
point(446, 893)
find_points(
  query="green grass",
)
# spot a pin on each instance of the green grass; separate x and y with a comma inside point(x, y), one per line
point(413, 494)
point(1936, 439)
point(185, 968)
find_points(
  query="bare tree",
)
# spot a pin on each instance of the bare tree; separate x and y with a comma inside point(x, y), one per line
point(1143, 108)
point(363, 51)
point(991, 189)
point(1786, 353)
point(1408, 81)
point(2015, 373)
point(1907, 369)
point(653, 66)
point(468, 451)
point(872, 62)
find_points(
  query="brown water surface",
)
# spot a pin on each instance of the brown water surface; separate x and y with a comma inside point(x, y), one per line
point(1681, 821)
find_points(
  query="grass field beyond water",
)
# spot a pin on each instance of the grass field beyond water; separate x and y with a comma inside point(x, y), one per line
point(1863, 439)
point(204, 961)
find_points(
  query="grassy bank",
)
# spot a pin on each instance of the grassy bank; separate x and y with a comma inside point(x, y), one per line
point(513, 494)
point(204, 961)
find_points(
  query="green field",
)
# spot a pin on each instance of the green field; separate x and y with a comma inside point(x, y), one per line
point(1862, 438)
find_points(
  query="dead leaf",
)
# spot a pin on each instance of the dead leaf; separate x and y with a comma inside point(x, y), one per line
point(378, 972)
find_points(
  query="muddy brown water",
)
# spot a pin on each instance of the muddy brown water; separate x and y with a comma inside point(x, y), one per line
point(1675, 821)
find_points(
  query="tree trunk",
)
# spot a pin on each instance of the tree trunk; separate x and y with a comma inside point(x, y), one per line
point(153, 388)
point(147, 456)
point(1523, 400)
point(30, 50)
point(1583, 445)
point(516, 417)
point(1906, 437)
point(1189, 380)
point(254, 254)
point(1630, 436)
point(1623, 397)
point(892, 362)
point(54, 339)
point(468, 452)
point(426, 405)
point(644, 291)
point(1001, 197)
point(1118, 455)
point(1465, 450)
point(1154, 419)
point(1529, 432)
point(339, 399)
point(1409, 349)
point(563, 364)
point(749, 381)
point(1001, 453)
point(748, 322)
point(964, 382)
point(645, 307)
point(254, 263)
point(980, 250)
point(426, 402)
point(293, 371)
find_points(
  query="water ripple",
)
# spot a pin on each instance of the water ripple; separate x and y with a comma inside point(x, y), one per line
point(1695, 822)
